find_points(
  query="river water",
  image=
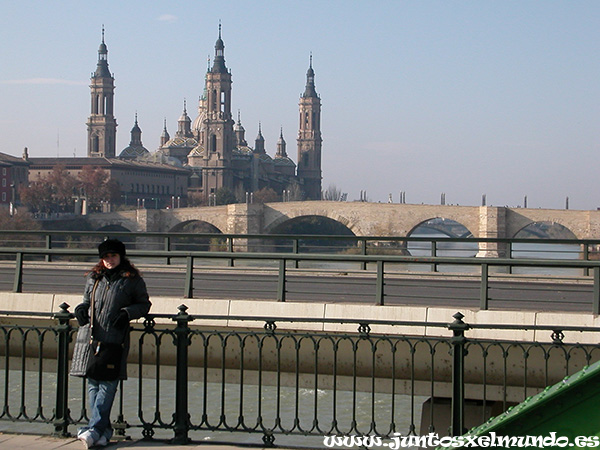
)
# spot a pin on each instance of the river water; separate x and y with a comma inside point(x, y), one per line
point(31, 396)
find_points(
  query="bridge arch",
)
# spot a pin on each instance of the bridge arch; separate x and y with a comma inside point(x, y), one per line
point(545, 230)
point(291, 218)
point(312, 224)
point(114, 227)
point(195, 226)
point(197, 243)
point(440, 225)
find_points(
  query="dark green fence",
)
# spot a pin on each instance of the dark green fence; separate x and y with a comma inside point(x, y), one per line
point(363, 245)
point(380, 279)
point(195, 381)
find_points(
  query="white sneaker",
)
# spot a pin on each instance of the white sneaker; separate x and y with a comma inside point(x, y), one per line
point(102, 442)
point(87, 439)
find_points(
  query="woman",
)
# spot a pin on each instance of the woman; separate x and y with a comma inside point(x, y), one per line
point(119, 295)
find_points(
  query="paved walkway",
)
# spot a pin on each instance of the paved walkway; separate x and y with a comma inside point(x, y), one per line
point(22, 441)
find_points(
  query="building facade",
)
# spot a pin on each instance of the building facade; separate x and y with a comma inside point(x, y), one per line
point(142, 184)
point(14, 176)
point(214, 148)
point(205, 155)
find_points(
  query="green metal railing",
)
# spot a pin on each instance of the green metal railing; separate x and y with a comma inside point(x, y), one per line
point(234, 380)
point(298, 244)
point(287, 263)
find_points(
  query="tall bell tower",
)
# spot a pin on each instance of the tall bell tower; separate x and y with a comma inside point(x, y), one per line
point(102, 125)
point(220, 138)
point(309, 139)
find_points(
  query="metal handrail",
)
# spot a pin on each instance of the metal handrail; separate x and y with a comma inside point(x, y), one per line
point(380, 262)
point(20, 342)
point(466, 261)
point(169, 236)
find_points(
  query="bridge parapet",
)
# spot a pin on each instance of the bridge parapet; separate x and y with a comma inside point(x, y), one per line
point(363, 219)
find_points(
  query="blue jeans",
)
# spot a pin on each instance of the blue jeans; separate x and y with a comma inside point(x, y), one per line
point(101, 395)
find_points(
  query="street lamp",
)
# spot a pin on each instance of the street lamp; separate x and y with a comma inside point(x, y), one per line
point(12, 198)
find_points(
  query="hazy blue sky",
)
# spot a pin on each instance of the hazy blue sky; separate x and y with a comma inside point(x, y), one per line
point(460, 97)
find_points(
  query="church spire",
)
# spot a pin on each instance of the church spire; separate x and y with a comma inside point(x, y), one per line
point(136, 133)
point(216, 132)
point(102, 67)
point(219, 62)
point(310, 91)
point(102, 125)
point(259, 143)
point(309, 139)
point(164, 137)
point(240, 132)
point(281, 152)
point(184, 124)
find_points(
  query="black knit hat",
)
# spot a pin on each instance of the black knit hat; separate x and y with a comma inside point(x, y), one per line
point(111, 246)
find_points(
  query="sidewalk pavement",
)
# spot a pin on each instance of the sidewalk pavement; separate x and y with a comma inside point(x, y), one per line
point(28, 441)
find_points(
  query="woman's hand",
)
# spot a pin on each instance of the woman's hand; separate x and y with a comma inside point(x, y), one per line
point(121, 321)
point(81, 314)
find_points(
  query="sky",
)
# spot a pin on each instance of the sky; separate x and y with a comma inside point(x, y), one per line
point(423, 97)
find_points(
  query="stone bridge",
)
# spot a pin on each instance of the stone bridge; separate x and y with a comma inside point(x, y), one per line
point(361, 218)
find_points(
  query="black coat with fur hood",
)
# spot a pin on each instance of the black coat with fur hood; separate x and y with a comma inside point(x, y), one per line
point(122, 290)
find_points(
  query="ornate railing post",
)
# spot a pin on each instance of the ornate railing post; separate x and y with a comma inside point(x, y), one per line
point(182, 343)
point(120, 425)
point(457, 341)
point(61, 412)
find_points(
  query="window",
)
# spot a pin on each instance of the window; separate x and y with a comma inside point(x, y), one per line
point(4, 171)
point(3, 182)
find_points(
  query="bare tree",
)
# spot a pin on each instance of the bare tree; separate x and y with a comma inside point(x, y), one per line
point(333, 193)
point(266, 195)
point(295, 193)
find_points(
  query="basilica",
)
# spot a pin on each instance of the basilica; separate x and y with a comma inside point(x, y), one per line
point(211, 150)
